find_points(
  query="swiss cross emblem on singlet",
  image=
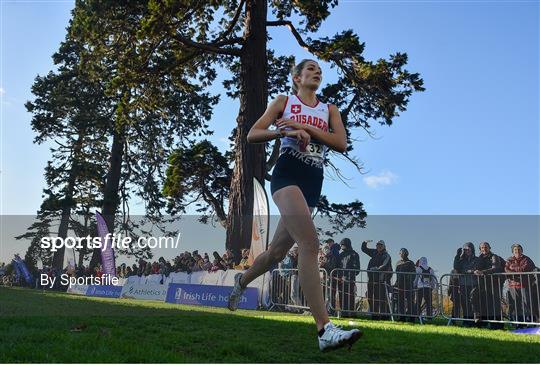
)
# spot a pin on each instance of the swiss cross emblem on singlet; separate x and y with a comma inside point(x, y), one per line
point(296, 108)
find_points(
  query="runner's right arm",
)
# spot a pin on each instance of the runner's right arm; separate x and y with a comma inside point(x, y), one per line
point(260, 133)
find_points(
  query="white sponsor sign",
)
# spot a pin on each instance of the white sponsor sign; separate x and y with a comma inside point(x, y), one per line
point(78, 289)
point(145, 291)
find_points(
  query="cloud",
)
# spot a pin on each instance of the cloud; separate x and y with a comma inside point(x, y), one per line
point(2, 91)
point(385, 178)
point(224, 140)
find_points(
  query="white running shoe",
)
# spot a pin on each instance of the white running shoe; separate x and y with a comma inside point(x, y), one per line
point(236, 293)
point(334, 337)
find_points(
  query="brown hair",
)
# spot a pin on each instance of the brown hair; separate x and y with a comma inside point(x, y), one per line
point(297, 70)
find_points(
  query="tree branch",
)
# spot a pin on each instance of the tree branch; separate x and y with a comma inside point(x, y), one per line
point(293, 30)
point(231, 24)
point(210, 47)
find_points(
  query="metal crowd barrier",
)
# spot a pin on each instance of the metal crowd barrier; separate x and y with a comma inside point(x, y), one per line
point(384, 294)
point(495, 298)
point(285, 290)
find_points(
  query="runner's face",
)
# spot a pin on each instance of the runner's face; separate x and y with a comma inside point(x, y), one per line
point(310, 77)
point(517, 251)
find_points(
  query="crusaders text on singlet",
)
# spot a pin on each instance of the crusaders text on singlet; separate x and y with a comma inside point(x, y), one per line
point(316, 116)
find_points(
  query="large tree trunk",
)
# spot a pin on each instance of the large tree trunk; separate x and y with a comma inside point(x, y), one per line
point(110, 195)
point(58, 257)
point(249, 158)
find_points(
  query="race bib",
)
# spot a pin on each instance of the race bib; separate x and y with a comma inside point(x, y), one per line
point(315, 150)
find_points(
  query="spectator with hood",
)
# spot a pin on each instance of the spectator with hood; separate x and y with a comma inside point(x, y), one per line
point(332, 261)
point(350, 263)
point(377, 281)
point(465, 264)
point(405, 276)
point(425, 282)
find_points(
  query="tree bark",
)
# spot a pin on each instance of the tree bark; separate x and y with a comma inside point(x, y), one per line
point(249, 158)
point(110, 195)
point(58, 257)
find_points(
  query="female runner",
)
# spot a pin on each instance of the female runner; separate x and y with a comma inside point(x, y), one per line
point(307, 128)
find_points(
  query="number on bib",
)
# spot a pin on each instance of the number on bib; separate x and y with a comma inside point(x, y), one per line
point(314, 150)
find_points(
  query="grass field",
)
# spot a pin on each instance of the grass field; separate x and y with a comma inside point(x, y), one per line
point(39, 326)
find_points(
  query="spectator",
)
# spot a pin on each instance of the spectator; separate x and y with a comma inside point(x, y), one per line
point(289, 276)
point(350, 265)
point(486, 296)
point(228, 259)
point(405, 278)
point(377, 281)
point(244, 262)
point(332, 262)
point(97, 270)
point(219, 262)
point(207, 265)
point(142, 267)
point(465, 264)
point(453, 294)
point(519, 286)
point(425, 282)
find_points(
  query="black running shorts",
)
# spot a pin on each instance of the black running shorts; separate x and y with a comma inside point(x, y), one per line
point(290, 170)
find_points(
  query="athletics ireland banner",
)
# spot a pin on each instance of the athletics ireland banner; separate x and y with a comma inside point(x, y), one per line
point(209, 295)
point(260, 226)
point(107, 252)
point(144, 291)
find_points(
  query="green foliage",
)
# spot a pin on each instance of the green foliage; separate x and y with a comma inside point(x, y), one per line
point(197, 174)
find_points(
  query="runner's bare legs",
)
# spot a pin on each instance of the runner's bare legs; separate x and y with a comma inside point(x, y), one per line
point(296, 217)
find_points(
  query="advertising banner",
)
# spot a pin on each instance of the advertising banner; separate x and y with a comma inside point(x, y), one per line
point(260, 227)
point(145, 292)
point(209, 295)
point(104, 291)
point(107, 251)
point(78, 289)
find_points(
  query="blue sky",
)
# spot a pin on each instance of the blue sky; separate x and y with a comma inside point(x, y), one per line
point(468, 145)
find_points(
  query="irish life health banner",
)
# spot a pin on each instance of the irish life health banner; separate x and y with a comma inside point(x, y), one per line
point(107, 252)
point(144, 291)
point(104, 291)
point(259, 234)
point(209, 295)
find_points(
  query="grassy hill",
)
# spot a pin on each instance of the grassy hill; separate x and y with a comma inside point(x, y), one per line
point(40, 326)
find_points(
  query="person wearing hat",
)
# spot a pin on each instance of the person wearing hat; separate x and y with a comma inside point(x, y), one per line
point(520, 286)
point(350, 263)
point(377, 280)
point(405, 276)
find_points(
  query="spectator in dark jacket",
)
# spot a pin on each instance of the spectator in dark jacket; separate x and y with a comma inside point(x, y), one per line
point(486, 296)
point(465, 264)
point(406, 272)
point(350, 263)
point(332, 262)
point(378, 278)
point(520, 286)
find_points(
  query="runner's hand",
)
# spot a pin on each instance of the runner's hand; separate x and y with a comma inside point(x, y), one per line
point(282, 123)
point(302, 136)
